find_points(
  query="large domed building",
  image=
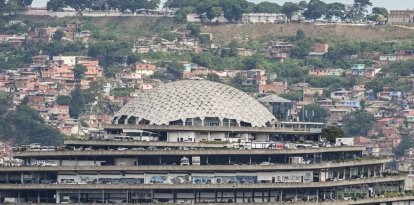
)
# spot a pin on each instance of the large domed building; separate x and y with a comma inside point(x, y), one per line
point(195, 103)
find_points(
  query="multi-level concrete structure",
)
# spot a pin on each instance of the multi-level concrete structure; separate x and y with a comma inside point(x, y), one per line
point(235, 153)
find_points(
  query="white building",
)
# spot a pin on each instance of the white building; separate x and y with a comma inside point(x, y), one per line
point(264, 18)
point(344, 141)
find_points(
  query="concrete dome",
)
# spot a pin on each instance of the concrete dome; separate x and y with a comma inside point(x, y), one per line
point(196, 103)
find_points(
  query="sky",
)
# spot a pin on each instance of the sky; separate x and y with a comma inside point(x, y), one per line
point(389, 4)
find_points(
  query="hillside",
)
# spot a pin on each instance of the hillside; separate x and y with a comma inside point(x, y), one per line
point(254, 31)
point(122, 26)
point(130, 26)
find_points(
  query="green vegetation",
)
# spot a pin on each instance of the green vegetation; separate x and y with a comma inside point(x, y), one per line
point(24, 125)
point(393, 83)
point(81, 5)
point(331, 133)
point(12, 6)
point(358, 123)
point(403, 68)
point(294, 96)
point(79, 98)
point(58, 35)
point(406, 143)
point(313, 113)
point(79, 71)
point(315, 9)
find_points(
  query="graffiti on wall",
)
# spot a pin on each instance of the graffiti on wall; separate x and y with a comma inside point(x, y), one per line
point(181, 180)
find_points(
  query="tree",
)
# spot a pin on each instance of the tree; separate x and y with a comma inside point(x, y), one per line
point(110, 53)
point(131, 59)
point(313, 113)
point(79, 71)
point(26, 3)
point(55, 5)
point(337, 10)
point(232, 49)
point(331, 133)
point(379, 15)
point(175, 69)
point(302, 6)
point(358, 123)
point(214, 77)
point(251, 62)
point(194, 30)
point(25, 126)
point(77, 103)
point(406, 143)
point(293, 96)
point(359, 9)
point(5, 102)
point(2, 6)
point(64, 100)
point(58, 35)
point(180, 3)
point(315, 10)
point(289, 9)
point(267, 7)
point(14, 5)
point(181, 15)
point(301, 49)
point(362, 103)
point(233, 9)
point(151, 4)
point(380, 11)
point(214, 12)
point(300, 35)
point(53, 48)
point(204, 6)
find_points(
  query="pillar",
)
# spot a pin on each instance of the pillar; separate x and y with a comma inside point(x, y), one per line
point(296, 195)
point(103, 197)
point(317, 195)
point(57, 196)
point(369, 172)
point(281, 195)
point(344, 172)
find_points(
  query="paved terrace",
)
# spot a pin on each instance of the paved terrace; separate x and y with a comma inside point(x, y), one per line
point(144, 144)
point(359, 201)
point(196, 167)
point(197, 186)
point(186, 152)
point(268, 130)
